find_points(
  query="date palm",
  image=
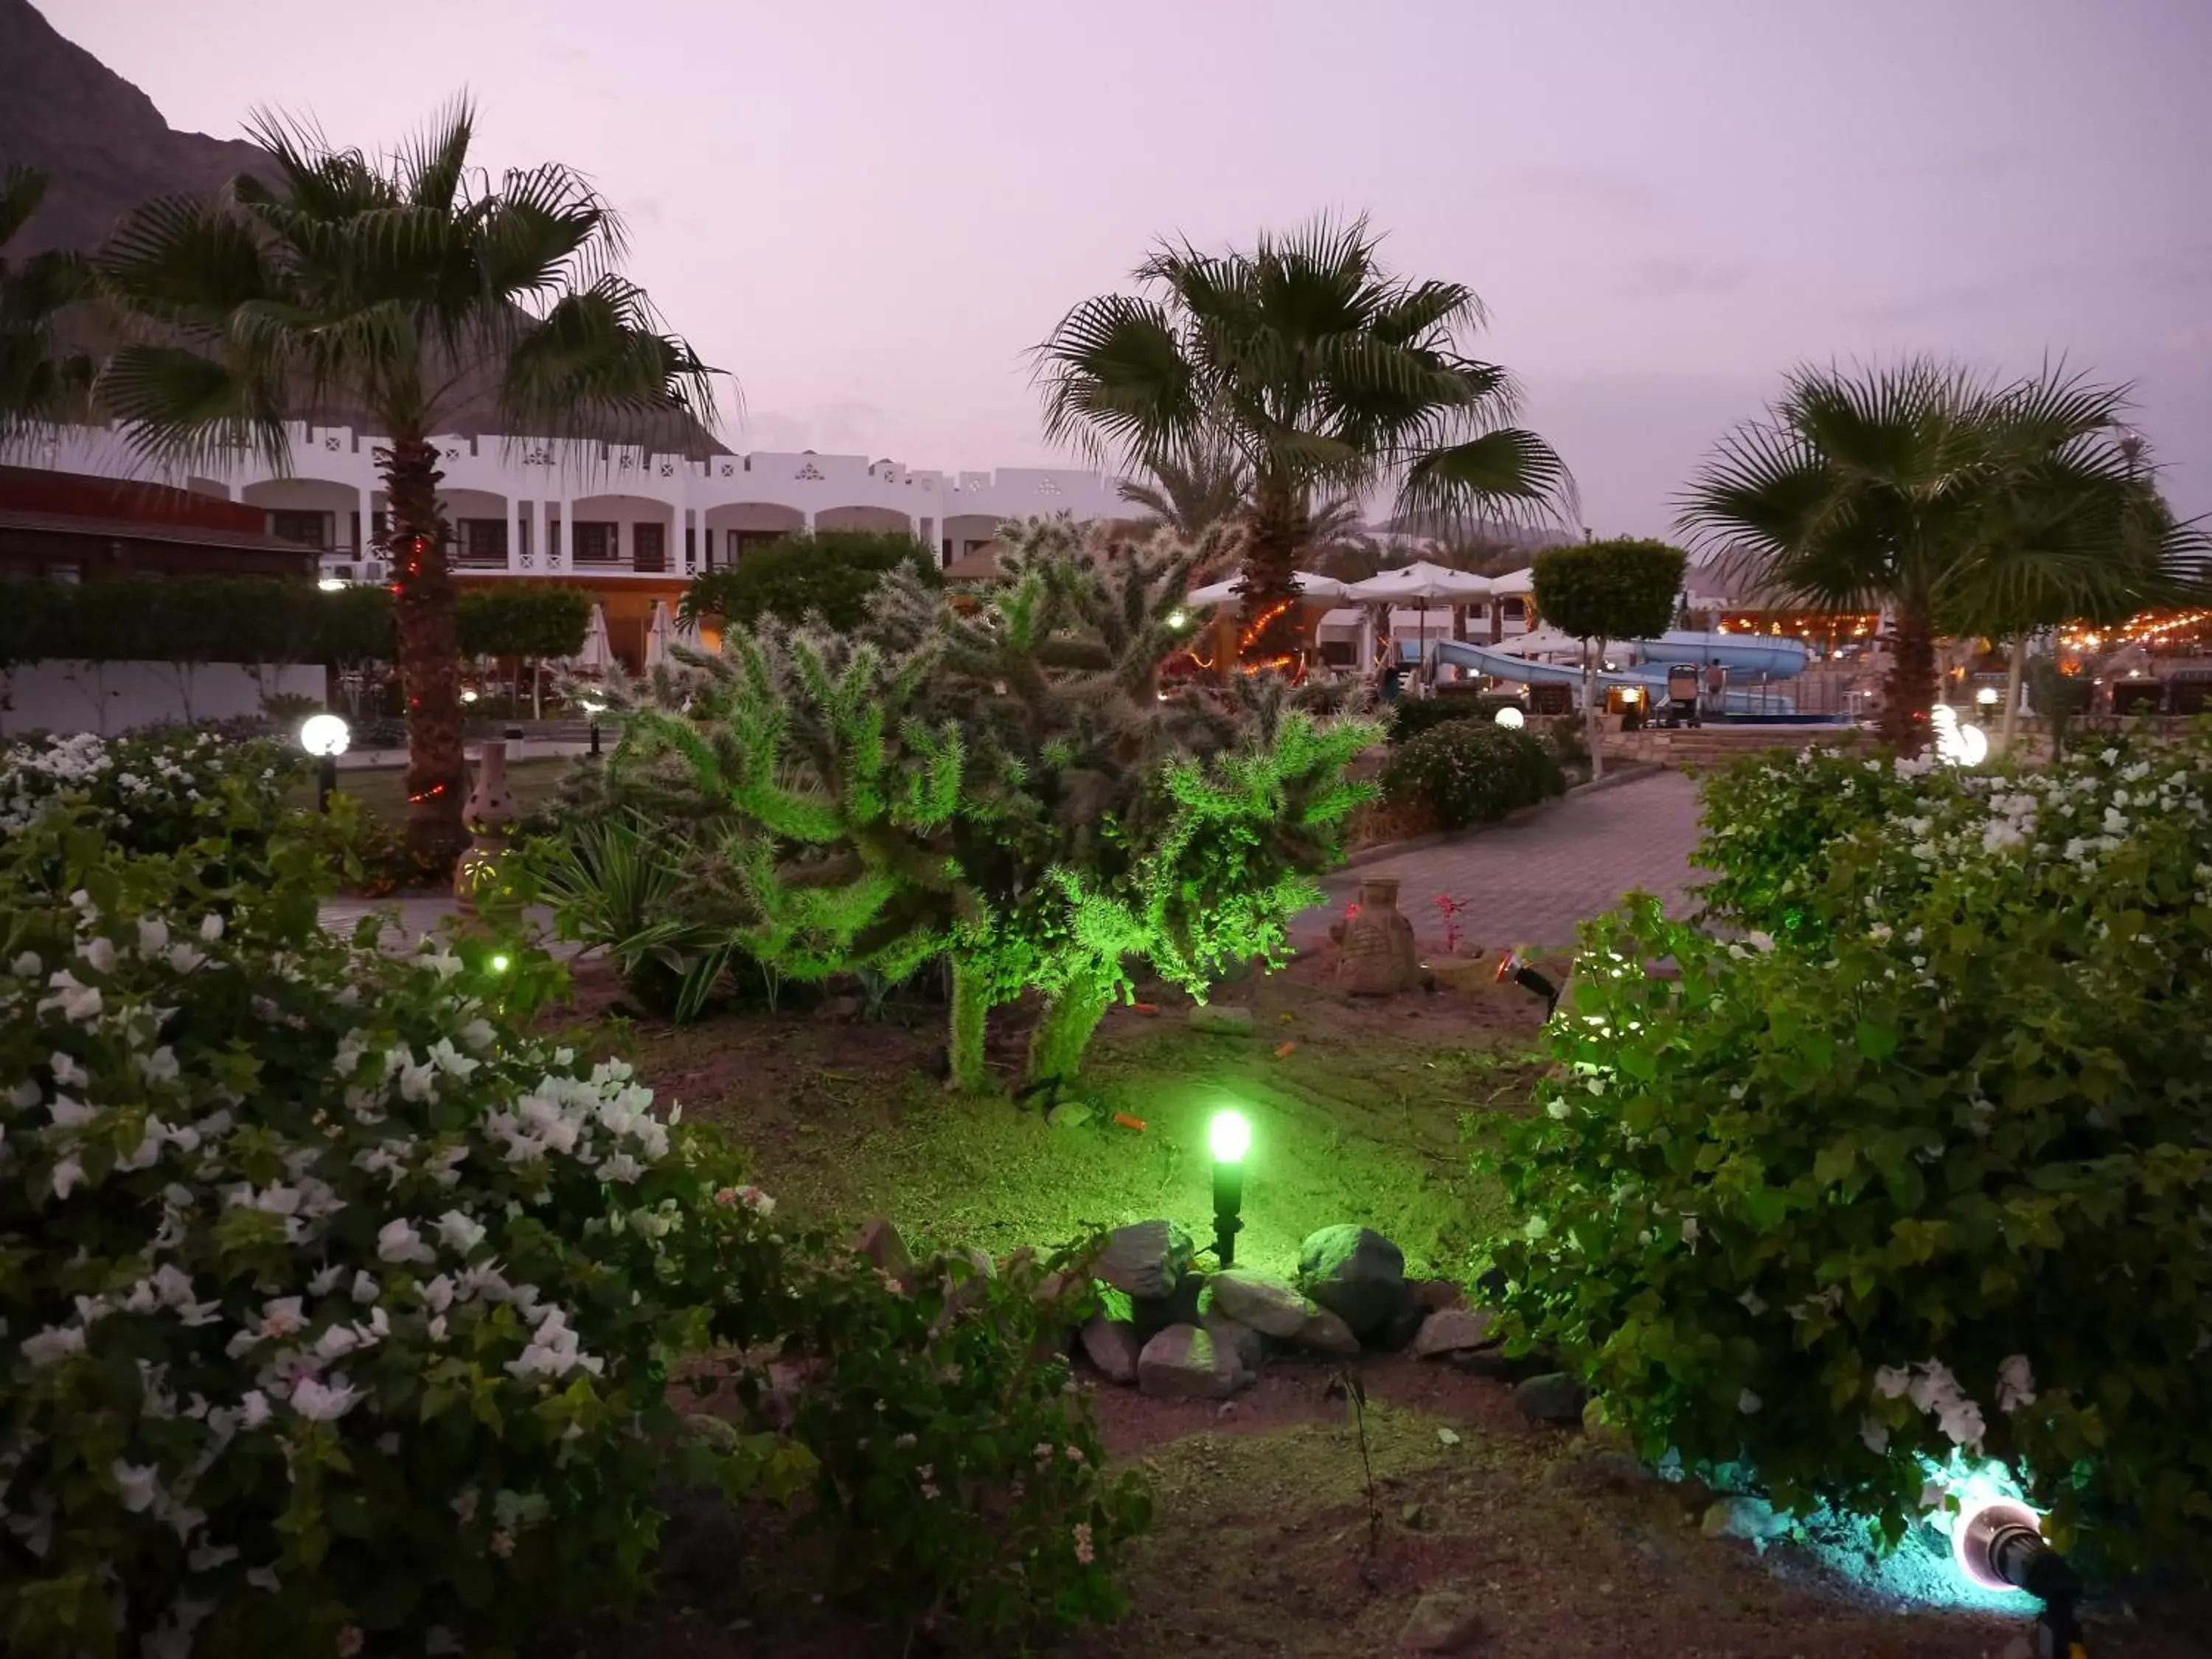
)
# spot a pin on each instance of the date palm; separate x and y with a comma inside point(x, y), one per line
point(1321, 371)
point(43, 381)
point(1191, 492)
point(409, 288)
point(1946, 499)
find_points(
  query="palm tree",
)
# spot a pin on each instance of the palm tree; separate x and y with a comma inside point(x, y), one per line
point(1191, 492)
point(43, 382)
point(1322, 372)
point(409, 289)
point(1941, 497)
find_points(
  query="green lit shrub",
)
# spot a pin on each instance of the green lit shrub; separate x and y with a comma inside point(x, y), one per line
point(1473, 772)
point(1935, 1180)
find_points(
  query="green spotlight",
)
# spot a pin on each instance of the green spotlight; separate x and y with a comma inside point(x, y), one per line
point(1230, 1136)
point(499, 963)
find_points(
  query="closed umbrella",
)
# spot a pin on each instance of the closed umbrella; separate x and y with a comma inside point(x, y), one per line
point(658, 633)
point(598, 655)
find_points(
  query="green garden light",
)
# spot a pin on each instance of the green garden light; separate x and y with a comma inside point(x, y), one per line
point(1230, 1137)
point(500, 961)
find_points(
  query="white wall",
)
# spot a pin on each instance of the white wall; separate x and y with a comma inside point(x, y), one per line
point(63, 698)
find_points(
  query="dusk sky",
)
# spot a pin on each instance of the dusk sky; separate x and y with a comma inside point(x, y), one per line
point(867, 210)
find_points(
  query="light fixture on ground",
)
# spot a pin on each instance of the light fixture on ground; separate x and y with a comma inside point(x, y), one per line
point(1229, 1137)
point(1998, 1544)
point(1987, 697)
point(331, 585)
point(325, 737)
point(1957, 744)
point(1510, 717)
point(592, 712)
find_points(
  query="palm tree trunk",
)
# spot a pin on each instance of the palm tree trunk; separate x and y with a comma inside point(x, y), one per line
point(1593, 725)
point(1911, 692)
point(429, 651)
point(2015, 670)
point(1271, 636)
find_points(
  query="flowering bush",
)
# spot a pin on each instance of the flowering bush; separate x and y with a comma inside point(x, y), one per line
point(336, 1318)
point(1936, 1180)
point(964, 1482)
point(1471, 771)
point(154, 792)
point(1771, 823)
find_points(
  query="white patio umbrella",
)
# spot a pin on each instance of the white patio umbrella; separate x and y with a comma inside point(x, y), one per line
point(1226, 592)
point(1423, 584)
point(658, 633)
point(598, 655)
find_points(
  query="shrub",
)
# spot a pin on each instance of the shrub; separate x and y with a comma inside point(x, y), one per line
point(1409, 718)
point(1772, 826)
point(827, 574)
point(1935, 1182)
point(156, 792)
point(1472, 772)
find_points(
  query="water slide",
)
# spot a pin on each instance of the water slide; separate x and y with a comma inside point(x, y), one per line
point(1648, 678)
point(1740, 653)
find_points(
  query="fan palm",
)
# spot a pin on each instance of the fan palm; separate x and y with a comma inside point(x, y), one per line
point(406, 288)
point(1191, 492)
point(1320, 371)
point(43, 383)
point(1940, 497)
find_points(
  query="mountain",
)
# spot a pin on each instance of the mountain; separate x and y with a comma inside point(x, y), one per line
point(104, 145)
point(105, 148)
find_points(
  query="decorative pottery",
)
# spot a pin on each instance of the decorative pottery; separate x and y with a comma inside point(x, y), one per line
point(1376, 956)
point(489, 816)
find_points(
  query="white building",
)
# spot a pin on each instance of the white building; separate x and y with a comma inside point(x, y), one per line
point(630, 526)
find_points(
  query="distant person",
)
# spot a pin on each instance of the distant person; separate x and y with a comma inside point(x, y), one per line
point(1716, 687)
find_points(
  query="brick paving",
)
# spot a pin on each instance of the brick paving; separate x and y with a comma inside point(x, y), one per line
point(1530, 882)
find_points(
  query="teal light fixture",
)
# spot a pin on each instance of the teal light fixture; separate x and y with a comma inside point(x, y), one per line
point(1229, 1136)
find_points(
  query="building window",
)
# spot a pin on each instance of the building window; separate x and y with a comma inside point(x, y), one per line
point(308, 529)
point(481, 541)
point(592, 543)
point(649, 546)
point(1513, 610)
point(376, 525)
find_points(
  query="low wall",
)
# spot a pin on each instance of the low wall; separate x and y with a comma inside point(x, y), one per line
point(66, 697)
point(1717, 745)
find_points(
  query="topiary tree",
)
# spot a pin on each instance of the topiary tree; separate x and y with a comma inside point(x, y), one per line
point(1622, 589)
point(533, 622)
point(826, 576)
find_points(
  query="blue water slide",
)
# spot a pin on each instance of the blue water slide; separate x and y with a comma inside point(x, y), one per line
point(1740, 653)
point(1649, 677)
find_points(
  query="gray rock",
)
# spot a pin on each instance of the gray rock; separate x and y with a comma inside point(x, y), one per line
point(1443, 1621)
point(1233, 1336)
point(1454, 1330)
point(1326, 1334)
point(1273, 1306)
point(1113, 1345)
point(1146, 1260)
point(1554, 1397)
point(1184, 1363)
point(1180, 1306)
point(1221, 1021)
point(1068, 1114)
point(1357, 1275)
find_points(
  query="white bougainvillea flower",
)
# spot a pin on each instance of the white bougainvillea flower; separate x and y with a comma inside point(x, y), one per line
point(153, 936)
point(1891, 1382)
point(282, 1316)
point(211, 927)
point(79, 1004)
point(2016, 1384)
point(754, 1198)
point(67, 1073)
point(138, 1486)
point(1875, 1435)
point(100, 953)
point(53, 1345)
point(68, 1175)
point(458, 1232)
point(324, 1402)
point(397, 1240)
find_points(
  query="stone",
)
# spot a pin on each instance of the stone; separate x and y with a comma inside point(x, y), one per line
point(1273, 1306)
point(1180, 1306)
point(1399, 1330)
point(1355, 1274)
point(846, 1007)
point(1554, 1397)
point(1751, 1519)
point(701, 1545)
point(1068, 1114)
point(1443, 1621)
point(1184, 1363)
point(879, 1242)
point(1326, 1334)
point(1601, 1471)
point(1436, 1294)
point(1112, 1344)
point(1454, 1330)
point(1146, 1260)
point(1219, 1021)
point(1233, 1336)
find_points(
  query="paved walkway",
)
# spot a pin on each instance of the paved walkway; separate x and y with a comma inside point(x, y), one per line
point(1530, 882)
point(426, 913)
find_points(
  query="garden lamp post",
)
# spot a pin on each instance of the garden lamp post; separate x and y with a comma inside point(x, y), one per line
point(1999, 1544)
point(326, 738)
point(1230, 1137)
point(593, 711)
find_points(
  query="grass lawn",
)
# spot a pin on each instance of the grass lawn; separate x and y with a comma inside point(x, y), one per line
point(382, 791)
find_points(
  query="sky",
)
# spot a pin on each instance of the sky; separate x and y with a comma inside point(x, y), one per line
point(867, 211)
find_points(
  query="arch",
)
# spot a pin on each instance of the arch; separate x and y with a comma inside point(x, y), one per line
point(865, 518)
point(615, 531)
point(314, 512)
point(736, 525)
point(970, 533)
